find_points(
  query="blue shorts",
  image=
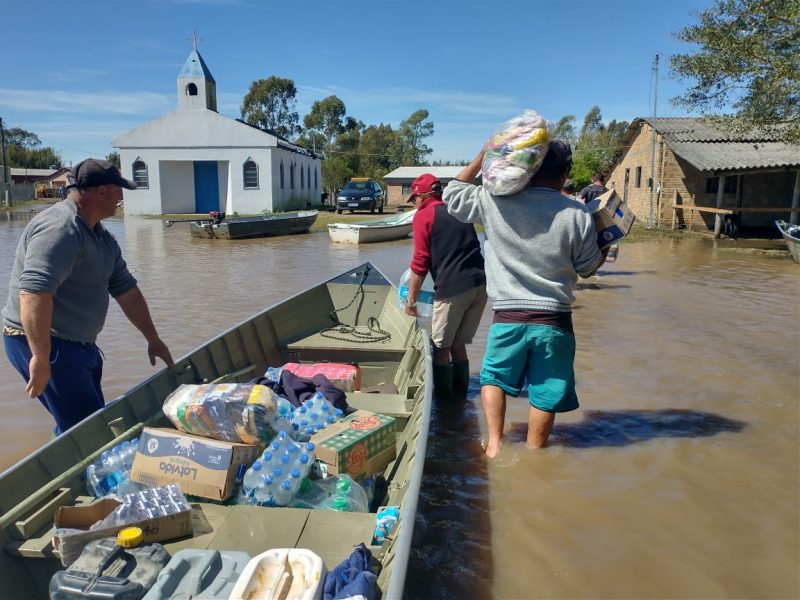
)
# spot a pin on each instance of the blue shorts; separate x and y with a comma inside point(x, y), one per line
point(73, 392)
point(542, 354)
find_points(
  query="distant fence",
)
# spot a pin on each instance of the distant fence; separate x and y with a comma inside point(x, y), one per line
point(22, 191)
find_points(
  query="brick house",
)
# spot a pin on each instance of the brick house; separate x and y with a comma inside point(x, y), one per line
point(398, 182)
point(753, 179)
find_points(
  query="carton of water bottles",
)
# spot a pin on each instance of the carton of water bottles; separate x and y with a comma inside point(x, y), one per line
point(110, 474)
point(314, 415)
point(276, 476)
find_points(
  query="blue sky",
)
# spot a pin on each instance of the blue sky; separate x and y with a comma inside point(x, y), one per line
point(79, 73)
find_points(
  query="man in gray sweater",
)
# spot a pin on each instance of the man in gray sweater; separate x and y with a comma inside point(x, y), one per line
point(66, 266)
point(537, 244)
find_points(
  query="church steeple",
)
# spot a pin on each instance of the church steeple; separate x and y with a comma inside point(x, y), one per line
point(196, 87)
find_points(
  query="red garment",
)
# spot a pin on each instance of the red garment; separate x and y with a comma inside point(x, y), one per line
point(422, 227)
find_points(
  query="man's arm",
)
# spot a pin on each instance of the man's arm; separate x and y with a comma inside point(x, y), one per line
point(135, 308)
point(414, 286)
point(461, 196)
point(470, 172)
point(36, 315)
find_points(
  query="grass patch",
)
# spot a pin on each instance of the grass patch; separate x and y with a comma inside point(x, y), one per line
point(640, 233)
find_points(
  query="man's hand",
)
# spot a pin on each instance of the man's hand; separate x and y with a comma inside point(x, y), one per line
point(412, 310)
point(159, 349)
point(40, 376)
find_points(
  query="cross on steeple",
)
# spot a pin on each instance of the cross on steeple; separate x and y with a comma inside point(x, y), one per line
point(194, 39)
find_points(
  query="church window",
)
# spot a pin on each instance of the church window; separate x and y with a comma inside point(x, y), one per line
point(250, 175)
point(302, 178)
point(316, 181)
point(291, 176)
point(191, 90)
point(281, 174)
point(308, 176)
point(140, 174)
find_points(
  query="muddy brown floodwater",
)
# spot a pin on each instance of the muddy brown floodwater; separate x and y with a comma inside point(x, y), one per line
point(679, 476)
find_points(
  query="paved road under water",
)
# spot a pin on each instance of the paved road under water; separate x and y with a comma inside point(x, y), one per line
point(679, 477)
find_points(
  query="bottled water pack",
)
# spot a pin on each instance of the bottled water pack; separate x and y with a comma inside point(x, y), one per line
point(275, 477)
point(110, 474)
point(424, 298)
point(315, 414)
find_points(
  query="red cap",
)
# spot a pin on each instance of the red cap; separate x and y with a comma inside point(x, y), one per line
point(423, 184)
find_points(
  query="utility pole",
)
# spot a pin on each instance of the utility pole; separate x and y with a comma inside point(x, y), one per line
point(5, 190)
point(653, 144)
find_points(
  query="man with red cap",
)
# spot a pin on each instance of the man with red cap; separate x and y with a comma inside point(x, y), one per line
point(450, 251)
point(66, 267)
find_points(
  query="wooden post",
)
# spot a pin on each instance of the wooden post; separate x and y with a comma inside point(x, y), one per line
point(720, 199)
point(795, 198)
point(674, 209)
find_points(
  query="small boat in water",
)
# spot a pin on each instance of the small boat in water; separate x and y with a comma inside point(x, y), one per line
point(241, 228)
point(351, 318)
point(367, 232)
point(791, 235)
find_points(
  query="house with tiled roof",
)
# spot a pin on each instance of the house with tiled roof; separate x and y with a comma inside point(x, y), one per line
point(398, 182)
point(687, 171)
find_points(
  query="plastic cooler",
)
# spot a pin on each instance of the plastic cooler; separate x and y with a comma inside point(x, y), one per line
point(281, 573)
point(201, 574)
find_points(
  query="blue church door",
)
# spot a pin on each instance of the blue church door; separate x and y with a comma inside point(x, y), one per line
point(206, 186)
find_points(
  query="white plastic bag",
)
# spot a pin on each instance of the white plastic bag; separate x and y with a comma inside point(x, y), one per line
point(516, 151)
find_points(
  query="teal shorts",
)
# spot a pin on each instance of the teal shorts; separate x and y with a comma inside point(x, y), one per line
point(542, 354)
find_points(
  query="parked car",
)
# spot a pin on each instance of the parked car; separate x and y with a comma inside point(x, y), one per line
point(361, 193)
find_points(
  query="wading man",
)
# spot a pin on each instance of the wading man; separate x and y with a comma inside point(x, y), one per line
point(450, 250)
point(66, 266)
point(537, 244)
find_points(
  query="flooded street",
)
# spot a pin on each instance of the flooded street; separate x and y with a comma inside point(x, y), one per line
point(679, 476)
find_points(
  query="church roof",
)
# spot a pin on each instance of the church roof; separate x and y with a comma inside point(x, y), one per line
point(195, 66)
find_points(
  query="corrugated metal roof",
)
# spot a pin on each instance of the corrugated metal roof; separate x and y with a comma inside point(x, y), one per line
point(31, 172)
point(709, 148)
point(443, 172)
point(195, 66)
point(694, 129)
point(735, 156)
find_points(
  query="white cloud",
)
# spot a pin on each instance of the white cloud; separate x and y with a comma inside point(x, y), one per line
point(103, 102)
point(72, 75)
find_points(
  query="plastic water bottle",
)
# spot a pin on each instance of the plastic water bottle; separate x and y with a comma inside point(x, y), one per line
point(252, 478)
point(127, 486)
point(263, 493)
point(424, 298)
point(274, 373)
point(283, 493)
point(98, 481)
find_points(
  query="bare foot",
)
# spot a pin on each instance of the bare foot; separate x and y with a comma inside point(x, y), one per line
point(493, 447)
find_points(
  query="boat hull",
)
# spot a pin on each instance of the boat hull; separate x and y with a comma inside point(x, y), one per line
point(296, 330)
point(368, 232)
point(792, 242)
point(254, 227)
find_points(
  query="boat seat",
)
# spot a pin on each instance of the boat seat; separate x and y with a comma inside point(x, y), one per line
point(338, 346)
point(392, 405)
point(253, 529)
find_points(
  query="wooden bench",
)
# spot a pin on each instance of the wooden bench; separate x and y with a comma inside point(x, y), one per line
point(726, 211)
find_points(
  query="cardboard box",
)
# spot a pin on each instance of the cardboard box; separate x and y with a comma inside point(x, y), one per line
point(361, 444)
point(70, 546)
point(612, 218)
point(202, 466)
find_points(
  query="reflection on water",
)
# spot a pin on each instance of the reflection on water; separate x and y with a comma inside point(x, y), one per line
point(678, 477)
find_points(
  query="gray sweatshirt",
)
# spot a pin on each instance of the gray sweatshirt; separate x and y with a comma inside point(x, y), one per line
point(59, 254)
point(537, 243)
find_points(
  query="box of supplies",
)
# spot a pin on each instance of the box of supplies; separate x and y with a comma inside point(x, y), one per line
point(613, 218)
point(361, 444)
point(202, 466)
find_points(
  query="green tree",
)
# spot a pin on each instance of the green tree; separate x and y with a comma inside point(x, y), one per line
point(410, 148)
point(270, 104)
point(335, 172)
point(596, 146)
point(375, 151)
point(565, 129)
point(746, 58)
point(25, 151)
point(113, 158)
point(325, 121)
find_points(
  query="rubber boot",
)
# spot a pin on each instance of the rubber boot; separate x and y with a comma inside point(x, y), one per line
point(443, 382)
point(461, 379)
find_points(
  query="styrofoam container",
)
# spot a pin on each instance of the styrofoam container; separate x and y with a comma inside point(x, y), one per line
point(198, 574)
point(281, 574)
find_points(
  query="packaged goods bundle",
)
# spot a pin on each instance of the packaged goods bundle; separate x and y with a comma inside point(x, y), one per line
point(515, 152)
point(344, 377)
point(231, 412)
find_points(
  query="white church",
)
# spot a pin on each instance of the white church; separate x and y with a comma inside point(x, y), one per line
point(195, 160)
